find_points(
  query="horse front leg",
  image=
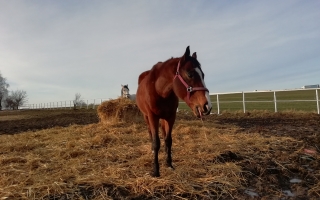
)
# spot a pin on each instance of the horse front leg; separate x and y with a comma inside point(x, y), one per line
point(154, 124)
point(156, 148)
point(166, 126)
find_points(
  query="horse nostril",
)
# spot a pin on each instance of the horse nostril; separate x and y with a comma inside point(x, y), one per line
point(205, 107)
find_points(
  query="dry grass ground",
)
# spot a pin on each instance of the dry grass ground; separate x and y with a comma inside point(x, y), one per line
point(257, 155)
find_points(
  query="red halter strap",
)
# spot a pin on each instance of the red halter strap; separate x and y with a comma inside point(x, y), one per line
point(189, 88)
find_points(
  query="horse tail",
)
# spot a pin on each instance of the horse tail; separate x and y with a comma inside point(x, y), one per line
point(142, 76)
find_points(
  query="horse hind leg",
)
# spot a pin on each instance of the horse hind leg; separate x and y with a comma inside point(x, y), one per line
point(149, 130)
point(166, 127)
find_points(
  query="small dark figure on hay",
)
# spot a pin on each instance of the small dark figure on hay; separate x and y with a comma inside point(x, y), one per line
point(158, 96)
point(125, 93)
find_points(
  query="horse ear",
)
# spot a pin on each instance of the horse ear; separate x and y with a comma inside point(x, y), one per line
point(186, 54)
point(194, 55)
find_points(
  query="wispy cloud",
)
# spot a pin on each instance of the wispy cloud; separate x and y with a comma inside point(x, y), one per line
point(53, 49)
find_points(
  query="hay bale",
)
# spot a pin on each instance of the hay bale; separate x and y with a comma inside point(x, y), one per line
point(119, 110)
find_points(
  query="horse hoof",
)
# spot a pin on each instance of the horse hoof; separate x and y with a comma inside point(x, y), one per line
point(171, 167)
point(155, 174)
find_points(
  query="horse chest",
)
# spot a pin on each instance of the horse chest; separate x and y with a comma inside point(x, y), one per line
point(165, 107)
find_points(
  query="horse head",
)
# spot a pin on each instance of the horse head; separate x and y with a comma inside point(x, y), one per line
point(189, 85)
point(125, 91)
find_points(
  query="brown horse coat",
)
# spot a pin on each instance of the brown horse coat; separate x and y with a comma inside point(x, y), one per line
point(158, 96)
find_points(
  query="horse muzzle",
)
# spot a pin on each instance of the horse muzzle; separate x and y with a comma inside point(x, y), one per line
point(200, 111)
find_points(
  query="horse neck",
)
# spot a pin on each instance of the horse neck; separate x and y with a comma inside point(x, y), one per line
point(169, 68)
point(164, 83)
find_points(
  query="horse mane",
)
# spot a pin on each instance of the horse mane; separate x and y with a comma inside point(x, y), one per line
point(145, 73)
point(189, 58)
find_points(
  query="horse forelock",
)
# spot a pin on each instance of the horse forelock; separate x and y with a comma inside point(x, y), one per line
point(195, 62)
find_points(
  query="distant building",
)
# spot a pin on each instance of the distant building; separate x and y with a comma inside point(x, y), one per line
point(310, 86)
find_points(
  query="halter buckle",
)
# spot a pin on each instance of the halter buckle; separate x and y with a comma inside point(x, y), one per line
point(189, 89)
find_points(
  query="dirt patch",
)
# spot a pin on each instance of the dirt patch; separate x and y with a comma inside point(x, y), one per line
point(12, 122)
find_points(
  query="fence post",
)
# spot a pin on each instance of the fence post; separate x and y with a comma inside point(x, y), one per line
point(317, 98)
point(94, 102)
point(243, 102)
point(275, 101)
point(218, 104)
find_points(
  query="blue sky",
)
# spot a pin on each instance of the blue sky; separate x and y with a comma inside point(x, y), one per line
point(54, 49)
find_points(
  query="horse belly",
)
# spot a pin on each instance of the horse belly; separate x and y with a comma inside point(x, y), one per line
point(167, 107)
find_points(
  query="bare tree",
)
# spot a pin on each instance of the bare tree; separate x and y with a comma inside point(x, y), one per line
point(77, 101)
point(9, 102)
point(3, 89)
point(19, 97)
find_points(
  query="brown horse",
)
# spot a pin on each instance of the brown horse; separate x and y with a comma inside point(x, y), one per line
point(158, 96)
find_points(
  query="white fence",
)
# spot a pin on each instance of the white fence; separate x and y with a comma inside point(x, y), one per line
point(275, 101)
point(93, 103)
point(68, 104)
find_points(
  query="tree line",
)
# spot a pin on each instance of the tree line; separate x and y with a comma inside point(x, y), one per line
point(11, 99)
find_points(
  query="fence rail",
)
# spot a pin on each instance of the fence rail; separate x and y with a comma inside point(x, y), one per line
point(276, 98)
point(68, 104)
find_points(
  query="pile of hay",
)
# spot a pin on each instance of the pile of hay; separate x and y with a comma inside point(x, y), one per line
point(119, 110)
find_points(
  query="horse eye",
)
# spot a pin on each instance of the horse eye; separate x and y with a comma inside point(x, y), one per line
point(190, 74)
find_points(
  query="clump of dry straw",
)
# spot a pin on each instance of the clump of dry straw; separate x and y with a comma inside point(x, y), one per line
point(119, 110)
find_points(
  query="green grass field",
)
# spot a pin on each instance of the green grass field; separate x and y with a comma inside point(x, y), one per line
point(298, 100)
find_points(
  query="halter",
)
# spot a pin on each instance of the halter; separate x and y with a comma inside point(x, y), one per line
point(189, 88)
